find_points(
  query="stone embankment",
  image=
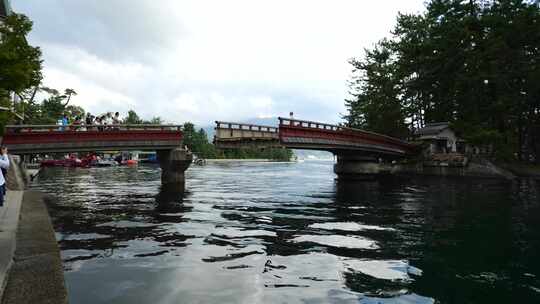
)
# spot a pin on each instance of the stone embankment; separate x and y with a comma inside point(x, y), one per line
point(30, 263)
point(480, 168)
point(526, 170)
point(358, 167)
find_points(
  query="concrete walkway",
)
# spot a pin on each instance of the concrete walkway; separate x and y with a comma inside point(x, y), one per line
point(36, 275)
point(9, 219)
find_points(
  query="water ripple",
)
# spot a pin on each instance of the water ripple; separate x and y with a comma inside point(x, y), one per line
point(289, 233)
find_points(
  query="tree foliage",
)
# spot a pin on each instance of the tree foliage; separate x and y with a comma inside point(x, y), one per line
point(279, 154)
point(376, 104)
point(197, 141)
point(132, 118)
point(51, 109)
point(20, 63)
point(472, 63)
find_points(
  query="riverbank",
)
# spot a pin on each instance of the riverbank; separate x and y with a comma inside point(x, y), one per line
point(36, 274)
point(479, 168)
point(483, 168)
point(30, 264)
point(9, 220)
point(352, 168)
point(227, 160)
point(522, 170)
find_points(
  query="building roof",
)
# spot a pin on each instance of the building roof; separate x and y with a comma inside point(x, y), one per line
point(5, 8)
point(432, 128)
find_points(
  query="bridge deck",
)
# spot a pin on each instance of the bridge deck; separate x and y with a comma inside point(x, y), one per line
point(30, 139)
point(302, 134)
point(230, 135)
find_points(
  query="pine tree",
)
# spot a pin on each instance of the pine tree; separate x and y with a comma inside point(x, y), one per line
point(472, 63)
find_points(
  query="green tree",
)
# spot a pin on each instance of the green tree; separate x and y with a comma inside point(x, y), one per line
point(197, 141)
point(472, 63)
point(73, 112)
point(156, 120)
point(20, 63)
point(132, 118)
point(67, 94)
point(189, 134)
point(376, 105)
point(52, 109)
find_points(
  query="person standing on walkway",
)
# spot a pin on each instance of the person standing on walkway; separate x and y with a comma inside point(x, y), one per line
point(4, 164)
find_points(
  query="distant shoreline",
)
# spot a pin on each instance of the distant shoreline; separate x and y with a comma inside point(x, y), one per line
point(224, 160)
point(259, 160)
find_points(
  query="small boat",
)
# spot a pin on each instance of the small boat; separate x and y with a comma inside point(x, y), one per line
point(199, 161)
point(68, 162)
point(147, 157)
point(51, 163)
point(104, 163)
point(129, 162)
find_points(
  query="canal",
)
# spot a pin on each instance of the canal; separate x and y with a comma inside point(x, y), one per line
point(289, 233)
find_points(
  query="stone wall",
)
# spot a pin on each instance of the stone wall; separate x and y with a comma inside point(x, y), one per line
point(36, 275)
point(357, 169)
point(477, 168)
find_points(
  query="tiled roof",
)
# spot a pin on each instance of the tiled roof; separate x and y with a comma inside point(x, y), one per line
point(432, 128)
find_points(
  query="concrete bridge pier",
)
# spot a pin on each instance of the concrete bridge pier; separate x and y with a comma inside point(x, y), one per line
point(360, 166)
point(173, 164)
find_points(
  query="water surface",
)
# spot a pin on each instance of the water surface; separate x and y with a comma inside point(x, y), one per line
point(289, 233)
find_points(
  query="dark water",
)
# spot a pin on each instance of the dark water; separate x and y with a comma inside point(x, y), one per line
point(288, 233)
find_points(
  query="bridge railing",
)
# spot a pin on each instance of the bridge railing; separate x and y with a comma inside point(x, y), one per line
point(329, 130)
point(308, 124)
point(89, 128)
point(245, 127)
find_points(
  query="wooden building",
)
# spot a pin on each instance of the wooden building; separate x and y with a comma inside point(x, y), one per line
point(439, 138)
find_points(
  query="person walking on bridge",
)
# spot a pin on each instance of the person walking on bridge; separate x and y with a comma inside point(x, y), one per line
point(4, 164)
point(89, 121)
point(64, 122)
point(116, 119)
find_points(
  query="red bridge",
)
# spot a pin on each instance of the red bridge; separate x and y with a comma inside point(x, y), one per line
point(34, 139)
point(166, 140)
point(359, 153)
point(310, 135)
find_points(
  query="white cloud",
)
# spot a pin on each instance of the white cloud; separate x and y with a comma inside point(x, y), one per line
point(202, 61)
point(89, 95)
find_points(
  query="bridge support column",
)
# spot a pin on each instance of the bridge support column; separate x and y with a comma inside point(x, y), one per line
point(351, 166)
point(173, 164)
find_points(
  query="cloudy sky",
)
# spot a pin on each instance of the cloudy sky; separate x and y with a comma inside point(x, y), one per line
point(202, 61)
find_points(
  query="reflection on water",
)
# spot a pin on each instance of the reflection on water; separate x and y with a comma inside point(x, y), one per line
point(288, 233)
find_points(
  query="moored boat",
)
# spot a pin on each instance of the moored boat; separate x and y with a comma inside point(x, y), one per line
point(68, 162)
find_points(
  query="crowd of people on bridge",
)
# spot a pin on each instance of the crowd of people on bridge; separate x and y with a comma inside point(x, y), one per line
point(89, 122)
